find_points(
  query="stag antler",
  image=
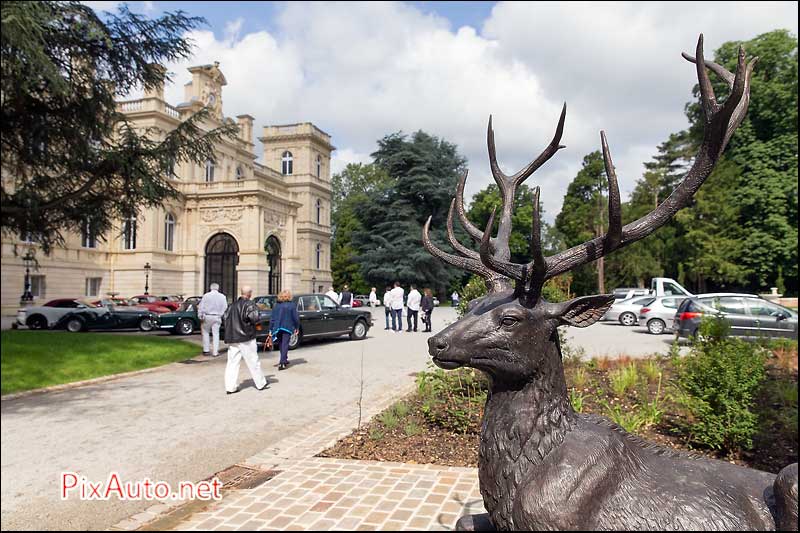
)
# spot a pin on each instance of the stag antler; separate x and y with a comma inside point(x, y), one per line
point(721, 120)
point(496, 279)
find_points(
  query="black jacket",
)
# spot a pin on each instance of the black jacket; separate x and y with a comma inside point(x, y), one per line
point(240, 321)
point(427, 303)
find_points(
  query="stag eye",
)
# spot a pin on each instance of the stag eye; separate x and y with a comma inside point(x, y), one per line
point(508, 321)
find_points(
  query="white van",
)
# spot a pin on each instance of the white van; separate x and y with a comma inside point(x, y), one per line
point(667, 287)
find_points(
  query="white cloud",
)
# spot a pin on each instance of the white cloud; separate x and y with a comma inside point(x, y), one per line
point(363, 70)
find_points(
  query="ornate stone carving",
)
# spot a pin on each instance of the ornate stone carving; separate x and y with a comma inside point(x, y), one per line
point(542, 466)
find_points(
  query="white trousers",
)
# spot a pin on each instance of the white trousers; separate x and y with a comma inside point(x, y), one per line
point(209, 329)
point(249, 351)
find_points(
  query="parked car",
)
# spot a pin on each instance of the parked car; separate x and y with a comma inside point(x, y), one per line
point(749, 316)
point(626, 293)
point(627, 311)
point(658, 315)
point(358, 303)
point(435, 301)
point(184, 321)
point(364, 299)
point(667, 287)
point(320, 317)
point(46, 316)
point(107, 317)
point(155, 304)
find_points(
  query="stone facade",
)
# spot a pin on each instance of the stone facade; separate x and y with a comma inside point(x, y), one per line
point(286, 200)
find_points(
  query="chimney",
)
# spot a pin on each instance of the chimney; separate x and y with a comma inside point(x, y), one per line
point(245, 123)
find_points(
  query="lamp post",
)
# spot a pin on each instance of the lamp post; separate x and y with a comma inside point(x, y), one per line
point(147, 268)
point(313, 283)
point(28, 259)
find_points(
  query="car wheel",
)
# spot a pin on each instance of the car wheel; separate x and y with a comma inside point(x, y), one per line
point(359, 330)
point(656, 326)
point(146, 324)
point(627, 319)
point(74, 325)
point(185, 326)
point(294, 340)
point(37, 322)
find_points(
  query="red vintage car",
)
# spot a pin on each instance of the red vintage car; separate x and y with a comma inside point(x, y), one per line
point(155, 303)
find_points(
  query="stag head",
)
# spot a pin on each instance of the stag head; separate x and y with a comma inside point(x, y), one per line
point(511, 332)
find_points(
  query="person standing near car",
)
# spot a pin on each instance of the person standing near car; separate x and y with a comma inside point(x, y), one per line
point(346, 298)
point(387, 307)
point(414, 298)
point(284, 322)
point(332, 294)
point(427, 308)
point(373, 297)
point(210, 310)
point(396, 298)
point(240, 321)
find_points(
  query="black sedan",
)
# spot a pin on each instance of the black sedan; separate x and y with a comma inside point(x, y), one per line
point(320, 317)
point(108, 317)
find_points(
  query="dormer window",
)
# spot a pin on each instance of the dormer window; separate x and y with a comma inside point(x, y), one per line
point(287, 163)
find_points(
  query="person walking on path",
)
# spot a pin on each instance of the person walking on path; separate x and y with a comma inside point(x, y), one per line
point(414, 298)
point(387, 304)
point(210, 310)
point(373, 297)
point(333, 295)
point(454, 297)
point(240, 335)
point(396, 296)
point(427, 308)
point(346, 298)
point(283, 323)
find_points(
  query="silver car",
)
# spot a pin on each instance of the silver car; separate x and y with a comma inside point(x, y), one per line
point(627, 311)
point(658, 316)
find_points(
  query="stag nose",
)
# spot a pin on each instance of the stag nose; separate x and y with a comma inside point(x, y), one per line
point(437, 345)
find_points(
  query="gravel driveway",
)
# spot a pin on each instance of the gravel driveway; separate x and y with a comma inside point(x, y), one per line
point(177, 424)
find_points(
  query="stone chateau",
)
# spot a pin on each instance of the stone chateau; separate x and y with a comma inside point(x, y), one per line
point(236, 222)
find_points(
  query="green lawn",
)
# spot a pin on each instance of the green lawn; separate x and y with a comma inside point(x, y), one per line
point(34, 359)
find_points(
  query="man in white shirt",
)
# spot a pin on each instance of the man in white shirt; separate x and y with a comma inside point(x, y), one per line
point(396, 297)
point(333, 295)
point(373, 297)
point(414, 299)
point(387, 304)
point(210, 310)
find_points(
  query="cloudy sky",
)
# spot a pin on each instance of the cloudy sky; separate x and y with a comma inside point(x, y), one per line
point(362, 70)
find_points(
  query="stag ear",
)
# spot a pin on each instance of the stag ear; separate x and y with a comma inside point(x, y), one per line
point(582, 312)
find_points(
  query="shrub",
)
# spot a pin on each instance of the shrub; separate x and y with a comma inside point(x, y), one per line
point(401, 409)
point(375, 434)
point(453, 399)
point(580, 377)
point(389, 419)
point(719, 381)
point(628, 419)
point(412, 428)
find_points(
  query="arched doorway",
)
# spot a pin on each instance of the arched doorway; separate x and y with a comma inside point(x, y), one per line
point(222, 256)
point(273, 249)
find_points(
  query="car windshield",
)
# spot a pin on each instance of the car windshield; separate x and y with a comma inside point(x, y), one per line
point(188, 306)
point(265, 303)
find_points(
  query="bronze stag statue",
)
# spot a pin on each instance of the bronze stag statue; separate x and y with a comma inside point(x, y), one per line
point(542, 466)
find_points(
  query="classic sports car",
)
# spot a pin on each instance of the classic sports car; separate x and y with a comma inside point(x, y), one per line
point(155, 303)
point(319, 317)
point(108, 317)
point(46, 316)
point(184, 321)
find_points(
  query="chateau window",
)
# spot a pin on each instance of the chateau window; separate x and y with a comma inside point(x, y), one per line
point(38, 286)
point(209, 171)
point(169, 232)
point(319, 166)
point(93, 286)
point(287, 163)
point(129, 233)
point(319, 211)
point(239, 173)
point(319, 255)
point(88, 237)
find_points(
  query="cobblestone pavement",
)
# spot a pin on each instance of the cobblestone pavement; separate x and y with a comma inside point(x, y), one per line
point(314, 493)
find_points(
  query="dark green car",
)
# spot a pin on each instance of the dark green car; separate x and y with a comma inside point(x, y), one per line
point(184, 321)
point(320, 317)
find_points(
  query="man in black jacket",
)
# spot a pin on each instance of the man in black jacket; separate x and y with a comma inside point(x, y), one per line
point(240, 335)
